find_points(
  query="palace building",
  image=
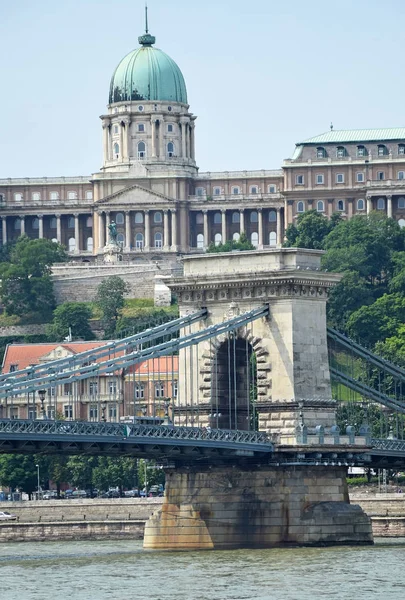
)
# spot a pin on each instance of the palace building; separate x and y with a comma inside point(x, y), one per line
point(150, 185)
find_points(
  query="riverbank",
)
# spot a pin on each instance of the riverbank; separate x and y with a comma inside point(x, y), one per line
point(124, 518)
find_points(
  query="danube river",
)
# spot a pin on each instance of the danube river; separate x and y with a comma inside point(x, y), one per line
point(122, 570)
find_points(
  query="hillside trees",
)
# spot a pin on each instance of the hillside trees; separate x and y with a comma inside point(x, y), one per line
point(73, 316)
point(110, 300)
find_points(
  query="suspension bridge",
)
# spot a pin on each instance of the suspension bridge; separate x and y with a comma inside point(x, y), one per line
point(254, 363)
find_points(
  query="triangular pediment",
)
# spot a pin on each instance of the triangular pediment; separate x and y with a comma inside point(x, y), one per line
point(134, 196)
point(57, 352)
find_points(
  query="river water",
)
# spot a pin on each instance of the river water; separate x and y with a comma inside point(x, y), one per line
point(122, 570)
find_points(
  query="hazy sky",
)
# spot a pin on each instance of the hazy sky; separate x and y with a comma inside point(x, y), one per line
point(260, 75)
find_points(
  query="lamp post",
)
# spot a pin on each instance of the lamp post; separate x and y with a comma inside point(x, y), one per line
point(41, 394)
point(37, 466)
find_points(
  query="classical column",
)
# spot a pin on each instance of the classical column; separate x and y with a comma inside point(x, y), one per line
point(166, 230)
point(101, 231)
point(22, 230)
point(330, 206)
point(77, 233)
point(122, 137)
point(127, 230)
point(58, 229)
point(192, 125)
point(260, 227)
point(127, 137)
point(205, 231)
point(147, 230)
point(40, 226)
point(369, 204)
point(107, 223)
point(4, 229)
point(241, 221)
point(389, 206)
point(162, 152)
point(350, 207)
point(223, 226)
point(105, 139)
point(279, 240)
point(183, 139)
point(174, 229)
point(153, 134)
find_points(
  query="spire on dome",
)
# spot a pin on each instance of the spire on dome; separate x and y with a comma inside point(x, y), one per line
point(146, 39)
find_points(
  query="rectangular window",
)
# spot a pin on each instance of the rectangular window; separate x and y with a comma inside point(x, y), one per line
point(159, 390)
point(319, 179)
point(36, 196)
point(359, 177)
point(89, 195)
point(112, 411)
point(299, 179)
point(401, 174)
point(380, 175)
point(175, 389)
point(93, 388)
point(200, 191)
point(13, 368)
point(170, 128)
point(67, 389)
point(112, 387)
point(32, 414)
point(54, 196)
point(272, 189)
point(93, 411)
point(340, 178)
point(52, 391)
point(50, 413)
point(139, 391)
point(68, 411)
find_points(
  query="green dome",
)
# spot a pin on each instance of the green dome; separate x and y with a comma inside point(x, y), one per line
point(147, 73)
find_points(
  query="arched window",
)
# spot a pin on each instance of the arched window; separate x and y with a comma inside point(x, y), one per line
point(401, 202)
point(158, 239)
point(361, 151)
point(138, 217)
point(217, 239)
point(235, 217)
point(401, 148)
point(54, 240)
point(341, 152)
point(54, 195)
point(253, 189)
point(382, 150)
point(116, 150)
point(72, 244)
point(254, 239)
point(235, 191)
point(71, 223)
point(217, 191)
point(36, 196)
point(199, 218)
point(381, 204)
point(17, 224)
point(52, 223)
point(119, 218)
point(72, 195)
point(157, 217)
point(272, 239)
point(170, 149)
point(217, 218)
point(320, 206)
point(200, 240)
point(35, 223)
point(320, 152)
point(254, 217)
point(89, 244)
point(18, 197)
point(360, 204)
point(340, 205)
point(272, 216)
point(89, 222)
point(141, 149)
point(300, 207)
point(139, 241)
point(121, 239)
point(401, 223)
point(236, 236)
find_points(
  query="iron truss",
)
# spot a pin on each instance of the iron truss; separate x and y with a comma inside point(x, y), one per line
point(52, 376)
point(70, 437)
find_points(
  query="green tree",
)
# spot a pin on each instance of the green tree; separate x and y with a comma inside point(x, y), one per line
point(18, 471)
point(154, 474)
point(115, 472)
point(74, 316)
point(80, 471)
point(310, 231)
point(110, 300)
point(26, 286)
point(378, 321)
point(241, 244)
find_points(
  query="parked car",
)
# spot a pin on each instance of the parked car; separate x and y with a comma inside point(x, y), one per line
point(6, 516)
point(131, 494)
point(50, 495)
point(110, 494)
point(79, 494)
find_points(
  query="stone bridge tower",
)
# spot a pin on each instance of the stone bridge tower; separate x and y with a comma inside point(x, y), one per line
point(290, 344)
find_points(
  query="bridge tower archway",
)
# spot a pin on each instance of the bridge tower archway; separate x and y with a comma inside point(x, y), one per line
point(234, 385)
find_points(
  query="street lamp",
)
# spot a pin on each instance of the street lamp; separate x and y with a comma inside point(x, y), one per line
point(37, 466)
point(41, 394)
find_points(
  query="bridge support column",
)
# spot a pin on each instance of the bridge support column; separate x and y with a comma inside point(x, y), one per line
point(226, 507)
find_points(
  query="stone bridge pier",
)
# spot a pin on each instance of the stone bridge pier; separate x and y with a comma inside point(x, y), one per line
point(282, 361)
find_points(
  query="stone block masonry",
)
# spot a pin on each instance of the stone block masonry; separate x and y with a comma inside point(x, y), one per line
point(256, 507)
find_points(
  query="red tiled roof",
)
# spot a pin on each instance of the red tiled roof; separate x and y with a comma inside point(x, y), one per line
point(163, 364)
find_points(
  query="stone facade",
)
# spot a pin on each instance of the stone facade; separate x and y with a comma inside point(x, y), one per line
point(258, 507)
